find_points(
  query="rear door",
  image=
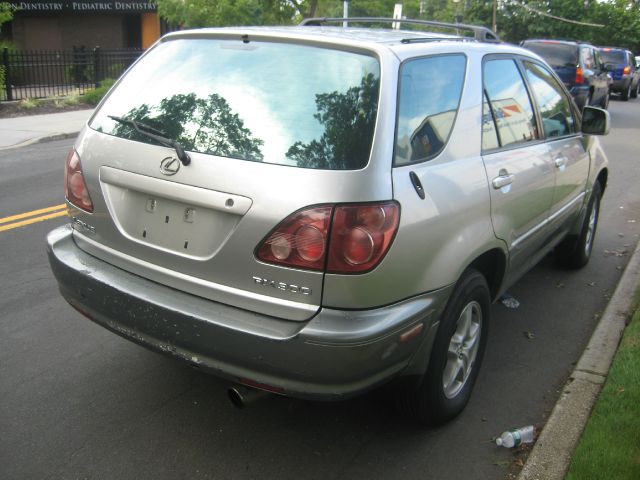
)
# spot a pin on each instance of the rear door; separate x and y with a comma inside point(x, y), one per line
point(566, 149)
point(517, 162)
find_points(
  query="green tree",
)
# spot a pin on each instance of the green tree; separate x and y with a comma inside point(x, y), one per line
point(521, 19)
point(207, 13)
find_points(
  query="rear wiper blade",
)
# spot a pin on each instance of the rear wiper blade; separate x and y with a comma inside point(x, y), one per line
point(158, 136)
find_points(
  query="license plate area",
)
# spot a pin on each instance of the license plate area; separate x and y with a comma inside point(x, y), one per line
point(166, 224)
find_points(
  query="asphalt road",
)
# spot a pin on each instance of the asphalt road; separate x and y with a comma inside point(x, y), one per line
point(77, 402)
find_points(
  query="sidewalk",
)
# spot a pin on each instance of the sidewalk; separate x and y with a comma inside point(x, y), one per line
point(21, 131)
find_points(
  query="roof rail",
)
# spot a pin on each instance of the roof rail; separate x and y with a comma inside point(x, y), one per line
point(481, 34)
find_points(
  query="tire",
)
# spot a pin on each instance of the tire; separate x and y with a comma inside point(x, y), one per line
point(634, 91)
point(455, 360)
point(575, 251)
point(626, 93)
point(605, 101)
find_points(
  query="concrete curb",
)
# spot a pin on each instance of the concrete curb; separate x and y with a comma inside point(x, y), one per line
point(552, 453)
point(43, 139)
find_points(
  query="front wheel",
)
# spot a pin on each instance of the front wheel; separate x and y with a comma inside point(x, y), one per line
point(457, 353)
point(575, 251)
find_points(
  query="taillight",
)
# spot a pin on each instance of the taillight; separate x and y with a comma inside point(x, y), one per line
point(626, 70)
point(347, 238)
point(361, 236)
point(75, 188)
point(579, 75)
point(300, 240)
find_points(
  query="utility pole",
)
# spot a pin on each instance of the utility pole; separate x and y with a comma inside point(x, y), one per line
point(345, 13)
point(495, 16)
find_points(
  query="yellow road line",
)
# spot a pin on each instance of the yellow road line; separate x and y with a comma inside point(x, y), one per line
point(32, 220)
point(31, 214)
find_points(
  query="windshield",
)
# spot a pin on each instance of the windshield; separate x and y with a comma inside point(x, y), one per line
point(556, 54)
point(277, 103)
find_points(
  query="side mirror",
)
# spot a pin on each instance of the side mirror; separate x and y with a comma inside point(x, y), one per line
point(595, 121)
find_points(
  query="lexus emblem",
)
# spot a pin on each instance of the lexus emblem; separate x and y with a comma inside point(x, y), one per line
point(169, 166)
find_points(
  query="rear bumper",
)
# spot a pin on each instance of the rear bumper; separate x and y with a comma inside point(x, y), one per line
point(334, 355)
point(621, 84)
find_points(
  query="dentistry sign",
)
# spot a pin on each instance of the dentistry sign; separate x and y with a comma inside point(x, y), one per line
point(84, 7)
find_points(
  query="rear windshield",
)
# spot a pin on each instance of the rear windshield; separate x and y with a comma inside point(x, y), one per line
point(617, 57)
point(556, 54)
point(269, 102)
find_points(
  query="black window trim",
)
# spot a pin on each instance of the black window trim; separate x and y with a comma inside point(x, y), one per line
point(455, 118)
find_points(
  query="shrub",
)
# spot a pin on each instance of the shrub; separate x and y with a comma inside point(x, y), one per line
point(94, 96)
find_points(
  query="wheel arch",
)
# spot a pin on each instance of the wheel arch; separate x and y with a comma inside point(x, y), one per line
point(492, 264)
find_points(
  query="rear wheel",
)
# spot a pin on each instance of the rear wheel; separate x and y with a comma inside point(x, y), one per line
point(575, 251)
point(457, 353)
point(626, 92)
point(634, 91)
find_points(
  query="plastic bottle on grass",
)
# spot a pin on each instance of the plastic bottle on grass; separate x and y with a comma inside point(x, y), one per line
point(515, 437)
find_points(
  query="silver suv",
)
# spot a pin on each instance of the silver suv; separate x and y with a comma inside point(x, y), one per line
point(315, 211)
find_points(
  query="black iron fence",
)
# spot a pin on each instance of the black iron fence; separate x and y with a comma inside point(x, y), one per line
point(31, 74)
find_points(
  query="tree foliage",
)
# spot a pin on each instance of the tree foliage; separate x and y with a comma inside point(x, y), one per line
point(203, 125)
point(348, 119)
point(621, 20)
point(515, 22)
point(207, 13)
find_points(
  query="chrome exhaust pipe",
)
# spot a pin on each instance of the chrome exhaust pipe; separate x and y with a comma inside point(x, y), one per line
point(241, 396)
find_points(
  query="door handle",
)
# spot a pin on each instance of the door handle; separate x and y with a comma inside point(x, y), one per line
point(560, 162)
point(502, 180)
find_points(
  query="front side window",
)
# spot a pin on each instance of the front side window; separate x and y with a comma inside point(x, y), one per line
point(430, 91)
point(509, 102)
point(555, 107)
point(276, 103)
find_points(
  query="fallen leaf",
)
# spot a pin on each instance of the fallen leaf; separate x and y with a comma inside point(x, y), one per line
point(591, 284)
point(518, 462)
point(529, 335)
point(560, 285)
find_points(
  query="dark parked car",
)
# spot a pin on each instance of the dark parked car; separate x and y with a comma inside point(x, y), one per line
point(580, 67)
point(621, 65)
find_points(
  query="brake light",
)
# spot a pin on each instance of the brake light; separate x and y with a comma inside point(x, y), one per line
point(75, 188)
point(300, 240)
point(627, 70)
point(345, 238)
point(361, 236)
point(579, 75)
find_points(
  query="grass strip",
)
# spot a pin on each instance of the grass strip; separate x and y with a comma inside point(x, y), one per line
point(610, 444)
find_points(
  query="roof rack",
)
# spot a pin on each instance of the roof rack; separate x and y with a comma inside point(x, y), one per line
point(481, 34)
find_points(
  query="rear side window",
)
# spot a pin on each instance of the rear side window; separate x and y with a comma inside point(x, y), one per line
point(430, 90)
point(588, 60)
point(556, 54)
point(509, 104)
point(555, 107)
point(268, 102)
